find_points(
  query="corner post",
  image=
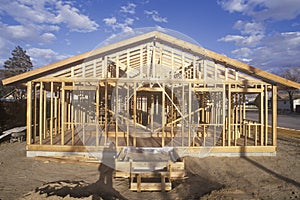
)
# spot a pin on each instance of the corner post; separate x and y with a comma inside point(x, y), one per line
point(28, 113)
point(274, 114)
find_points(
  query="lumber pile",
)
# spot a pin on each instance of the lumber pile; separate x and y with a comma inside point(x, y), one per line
point(70, 159)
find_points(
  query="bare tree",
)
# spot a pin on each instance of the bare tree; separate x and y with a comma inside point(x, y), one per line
point(292, 74)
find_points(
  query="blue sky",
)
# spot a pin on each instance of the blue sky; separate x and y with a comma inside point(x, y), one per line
point(263, 33)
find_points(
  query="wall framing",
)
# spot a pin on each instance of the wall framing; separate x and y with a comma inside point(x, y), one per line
point(152, 90)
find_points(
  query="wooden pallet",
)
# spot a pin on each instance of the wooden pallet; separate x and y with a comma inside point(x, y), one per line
point(150, 181)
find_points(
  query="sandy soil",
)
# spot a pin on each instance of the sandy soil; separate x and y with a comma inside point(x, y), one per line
point(208, 178)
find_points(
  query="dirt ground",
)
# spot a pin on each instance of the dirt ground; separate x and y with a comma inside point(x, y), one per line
point(275, 177)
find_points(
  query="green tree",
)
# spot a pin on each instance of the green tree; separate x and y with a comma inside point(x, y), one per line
point(19, 63)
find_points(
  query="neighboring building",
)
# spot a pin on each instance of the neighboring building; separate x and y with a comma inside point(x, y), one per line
point(151, 90)
point(284, 103)
point(14, 95)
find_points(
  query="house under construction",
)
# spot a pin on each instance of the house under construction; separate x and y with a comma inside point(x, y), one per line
point(151, 90)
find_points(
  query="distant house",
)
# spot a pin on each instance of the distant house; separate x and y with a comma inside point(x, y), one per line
point(14, 95)
point(283, 103)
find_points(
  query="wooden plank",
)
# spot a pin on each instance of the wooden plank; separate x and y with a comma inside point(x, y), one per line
point(41, 113)
point(80, 88)
point(274, 115)
point(35, 114)
point(261, 117)
point(231, 149)
point(63, 114)
point(55, 116)
point(229, 117)
point(97, 121)
point(246, 90)
point(45, 115)
point(51, 113)
point(266, 114)
point(150, 186)
point(29, 112)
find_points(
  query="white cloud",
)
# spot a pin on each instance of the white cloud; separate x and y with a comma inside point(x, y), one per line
point(245, 41)
point(264, 9)
point(251, 28)
point(243, 52)
point(255, 44)
point(110, 21)
point(38, 21)
point(42, 57)
point(279, 50)
point(251, 34)
point(73, 19)
point(155, 16)
point(233, 5)
point(18, 33)
point(115, 25)
point(129, 8)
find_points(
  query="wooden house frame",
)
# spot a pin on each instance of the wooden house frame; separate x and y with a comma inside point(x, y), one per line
point(151, 90)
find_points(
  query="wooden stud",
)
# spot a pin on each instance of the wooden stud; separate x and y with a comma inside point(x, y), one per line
point(116, 112)
point(45, 114)
point(72, 125)
point(97, 121)
point(41, 113)
point(266, 114)
point(189, 112)
point(63, 114)
point(105, 112)
point(51, 113)
point(134, 108)
point(55, 115)
point(261, 117)
point(35, 114)
point(163, 116)
point(229, 115)
point(274, 115)
point(224, 115)
point(29, 113)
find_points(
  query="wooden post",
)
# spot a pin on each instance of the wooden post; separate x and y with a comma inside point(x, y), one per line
point(116, 112)
point(72, 125)
point(127, 119)
point(97, 114)
point(105, 112)
point(274, 114)
point(229, 115)
point(41, 113)
point(139, 180)
point(51, 113)
point(163, 116)
point(223, 114)
point(189, 112)
point(63, 114)
point(55, 115)
point(266, 115)
point(261, 117)
point(35, 115)
point(134, 107)
point(182, 116)
point(45, 113)
point(172, 110)
point(29, 112)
